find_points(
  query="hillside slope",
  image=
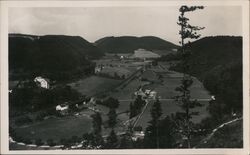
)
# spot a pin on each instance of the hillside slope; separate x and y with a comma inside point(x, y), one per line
point(50, 55)
point(127, 44)
point(209, 52)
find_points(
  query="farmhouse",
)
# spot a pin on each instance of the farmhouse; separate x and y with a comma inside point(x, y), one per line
point(138, 135)
point(42, 82)
point(98, 70)
point(63, 109)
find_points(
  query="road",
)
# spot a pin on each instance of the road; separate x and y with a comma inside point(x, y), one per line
point(205, 140)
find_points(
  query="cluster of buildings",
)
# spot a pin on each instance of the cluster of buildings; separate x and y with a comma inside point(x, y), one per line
point(147, 93)
point(64, 108)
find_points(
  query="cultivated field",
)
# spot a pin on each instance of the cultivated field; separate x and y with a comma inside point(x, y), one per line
point(157, 78)
point(94, 85)
point(171, 107)
point(57, 128)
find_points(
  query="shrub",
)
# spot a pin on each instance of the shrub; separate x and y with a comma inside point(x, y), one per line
point(38, 142)
point(51, 142)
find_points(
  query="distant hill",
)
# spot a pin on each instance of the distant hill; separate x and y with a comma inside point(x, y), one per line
point(127, 44)
point(51, 55)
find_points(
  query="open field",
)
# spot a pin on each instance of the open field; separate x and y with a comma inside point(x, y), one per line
point(94, 85)
point(57, 128)
point(66, 127)
point(171, 107)
point(119, 71)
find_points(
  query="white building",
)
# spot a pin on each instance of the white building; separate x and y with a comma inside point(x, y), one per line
point(44, 83)
point(138, 135)
point(63, 109)
point(98, 70)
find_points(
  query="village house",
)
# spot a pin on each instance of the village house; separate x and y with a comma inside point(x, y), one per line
point(62, 109)
point(98, 70)
point(42, 82)
point(146, 94)
point(138, 135)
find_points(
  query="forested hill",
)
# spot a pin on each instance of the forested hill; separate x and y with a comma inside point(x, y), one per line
point(127, 44)
point(209, 52)
point(54, 56)
point(217, 62)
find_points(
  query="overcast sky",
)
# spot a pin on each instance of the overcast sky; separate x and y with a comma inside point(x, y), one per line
point(93, 23)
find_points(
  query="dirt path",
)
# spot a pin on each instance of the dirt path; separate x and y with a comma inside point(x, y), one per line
point(205, 140)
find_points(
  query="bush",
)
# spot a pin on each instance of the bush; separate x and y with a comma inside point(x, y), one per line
point(23, 120)
point(65, 142)
point(38, 142)
point(27, 141)
point(51, 142)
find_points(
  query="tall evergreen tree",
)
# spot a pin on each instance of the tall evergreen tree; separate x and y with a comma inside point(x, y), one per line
point(97, 140)
point(97, 123)
point(112, 140)
point(136, 106)
point(112, 118)
point(152, 132)
point(187, 33)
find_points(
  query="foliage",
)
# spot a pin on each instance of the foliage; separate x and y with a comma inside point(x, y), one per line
point(51, 142)
point(226, 83)
point(127, 44)
point(34, 98)
point(209, 53)
point(55, 57)
point(38, 142)
point(152, 131)
point(187, 33)
point(112, 140)
point(97, 123)
point(136, 106)
point(110, 102)
point(112, 117)
point(166, 131)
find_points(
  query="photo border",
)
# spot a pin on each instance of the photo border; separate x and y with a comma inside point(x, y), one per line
point(4, 7)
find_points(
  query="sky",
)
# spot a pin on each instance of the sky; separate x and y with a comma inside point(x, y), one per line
point(93, 23)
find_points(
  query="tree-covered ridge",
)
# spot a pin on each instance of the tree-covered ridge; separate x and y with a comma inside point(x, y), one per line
point(127, 44)
point(208, 52)
point(217, 62)
point(53, 56)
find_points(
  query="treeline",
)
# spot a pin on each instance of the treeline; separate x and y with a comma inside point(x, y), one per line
point(30, 98)
point(127, 44)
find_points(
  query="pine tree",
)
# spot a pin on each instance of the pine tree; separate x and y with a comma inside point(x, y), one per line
point(112, 118)
point(152, 132)
point(112, 140)
point(97, 123)
point(97, 140)
point(187, 33)
point(136, 106)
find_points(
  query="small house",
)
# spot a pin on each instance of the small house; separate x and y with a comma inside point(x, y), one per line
point(63, 109)
point(42, 82)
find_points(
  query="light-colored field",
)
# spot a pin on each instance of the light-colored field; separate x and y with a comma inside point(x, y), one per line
point(94, 85)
